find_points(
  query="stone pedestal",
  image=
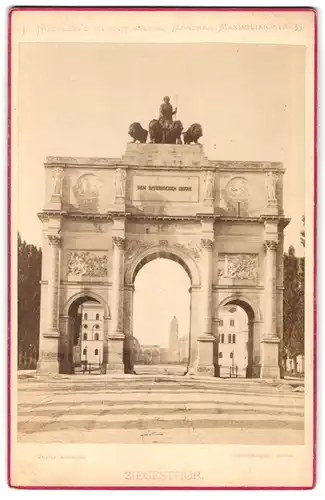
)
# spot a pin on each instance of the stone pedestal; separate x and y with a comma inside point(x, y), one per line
point(115, 354)
point(270, 358)
point(205, 358)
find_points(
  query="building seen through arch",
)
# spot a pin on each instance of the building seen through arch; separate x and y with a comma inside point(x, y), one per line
point(90, 345)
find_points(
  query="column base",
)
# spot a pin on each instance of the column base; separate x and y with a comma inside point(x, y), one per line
point(270, 372)
point(115, 368)
point(115, 354)
point(66, 367)
point(217, 370)
point(48, 366)
point(208, 371)
point(253, 371)
point(205, 355)
point(49, 358)
point(270, 358)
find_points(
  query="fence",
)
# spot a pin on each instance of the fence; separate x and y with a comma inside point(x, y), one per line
point(90, 368)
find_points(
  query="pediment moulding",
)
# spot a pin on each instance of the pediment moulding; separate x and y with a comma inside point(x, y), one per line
point(153, 156)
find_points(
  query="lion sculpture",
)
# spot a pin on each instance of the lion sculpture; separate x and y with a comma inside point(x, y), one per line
point(138, 133)
point(193, 133)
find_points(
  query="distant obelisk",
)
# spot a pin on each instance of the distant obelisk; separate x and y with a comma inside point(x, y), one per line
point(174, 347)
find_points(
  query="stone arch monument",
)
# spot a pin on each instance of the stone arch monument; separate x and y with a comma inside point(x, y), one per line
point(222, 221)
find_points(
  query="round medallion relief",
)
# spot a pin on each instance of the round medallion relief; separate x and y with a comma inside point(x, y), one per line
point(86, 192)
point(237, 189)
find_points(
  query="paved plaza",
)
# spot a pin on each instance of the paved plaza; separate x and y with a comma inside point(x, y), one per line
point(158, 407)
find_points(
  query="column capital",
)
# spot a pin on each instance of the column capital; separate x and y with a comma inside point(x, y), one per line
point(54, 239)
point(270, 245)
point(207, 243)
point(118, 242)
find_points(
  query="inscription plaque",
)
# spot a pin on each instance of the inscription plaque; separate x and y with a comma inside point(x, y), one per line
point(165, 188)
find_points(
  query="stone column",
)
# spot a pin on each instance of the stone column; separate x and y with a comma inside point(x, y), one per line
point(115, 349)
point(49, 340)
point(270, 340)
point(206, 339)
point(192, 367)
point(129, 354)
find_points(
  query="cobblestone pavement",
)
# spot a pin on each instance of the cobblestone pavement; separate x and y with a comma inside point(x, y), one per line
point(149, 408)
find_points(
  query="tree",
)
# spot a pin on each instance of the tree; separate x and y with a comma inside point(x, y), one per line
point(302, 232)
point(29, 297)
point(293, 304)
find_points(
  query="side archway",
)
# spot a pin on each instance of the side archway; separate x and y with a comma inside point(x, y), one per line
point(70, 327)
point(83, 296)
point(254, 322)
point(243, 301)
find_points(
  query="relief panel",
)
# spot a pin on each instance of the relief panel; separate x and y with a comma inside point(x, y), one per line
point(238, 266)
point(86, 263)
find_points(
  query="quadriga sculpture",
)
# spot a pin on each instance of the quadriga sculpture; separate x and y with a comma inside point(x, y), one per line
point(170, 135)
point(193, 133)
point(137, 132)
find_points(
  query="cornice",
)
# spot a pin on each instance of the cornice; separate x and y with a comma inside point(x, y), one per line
point(71, 161)
point(238, 287)
point(108, 216)
point(77, 283)
point(247, 166)
point(172, 218)
point(128, 161)
point(88, 216)
point(46, 214)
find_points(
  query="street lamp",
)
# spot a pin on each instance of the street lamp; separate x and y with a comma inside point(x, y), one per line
point(216, 349)
point(85, 362)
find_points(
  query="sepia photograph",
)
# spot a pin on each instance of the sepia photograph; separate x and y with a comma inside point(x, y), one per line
point(162, 226)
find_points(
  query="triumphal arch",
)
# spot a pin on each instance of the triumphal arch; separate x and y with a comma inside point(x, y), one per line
point(105, 218)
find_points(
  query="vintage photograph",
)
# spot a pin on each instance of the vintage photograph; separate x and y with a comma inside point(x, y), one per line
point(159, 199)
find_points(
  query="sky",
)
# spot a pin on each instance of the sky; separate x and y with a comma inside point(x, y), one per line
point(164, 298)
point(79, 100)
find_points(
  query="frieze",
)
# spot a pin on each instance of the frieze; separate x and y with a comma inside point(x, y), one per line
point(84, 263)
point(244, 165)
point(238, 266)
point(69, 160)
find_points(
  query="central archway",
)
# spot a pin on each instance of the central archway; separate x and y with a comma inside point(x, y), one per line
point(161, 316)
point(188, 266)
